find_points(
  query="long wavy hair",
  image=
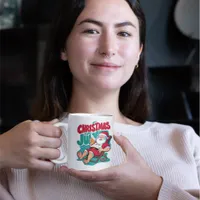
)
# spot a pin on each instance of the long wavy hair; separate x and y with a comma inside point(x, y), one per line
point(55, 86)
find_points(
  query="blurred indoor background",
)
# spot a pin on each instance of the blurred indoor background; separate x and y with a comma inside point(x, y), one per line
point(172, 58)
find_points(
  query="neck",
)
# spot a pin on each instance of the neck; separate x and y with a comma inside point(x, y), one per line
point(87, 100)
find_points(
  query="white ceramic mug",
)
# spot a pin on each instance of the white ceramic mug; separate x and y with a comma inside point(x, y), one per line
point(86, 141)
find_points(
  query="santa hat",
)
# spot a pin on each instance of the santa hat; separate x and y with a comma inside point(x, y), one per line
point(105, 133)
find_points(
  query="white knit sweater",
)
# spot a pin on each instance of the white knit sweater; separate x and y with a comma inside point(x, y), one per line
point(171, 150)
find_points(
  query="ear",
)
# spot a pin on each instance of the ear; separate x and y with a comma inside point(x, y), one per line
point(63, 55)
point(141, 49)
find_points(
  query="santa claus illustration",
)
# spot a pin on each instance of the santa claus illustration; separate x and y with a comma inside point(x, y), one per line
point(97, 147)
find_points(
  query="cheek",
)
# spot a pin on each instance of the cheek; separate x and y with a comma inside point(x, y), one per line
point(130, 53)
point(81, 49)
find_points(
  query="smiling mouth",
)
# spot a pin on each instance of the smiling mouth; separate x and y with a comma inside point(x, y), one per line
point(106, 65)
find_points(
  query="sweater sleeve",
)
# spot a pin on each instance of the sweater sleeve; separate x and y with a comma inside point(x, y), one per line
point(4, 189)
point(172, 192)
point(169, 191)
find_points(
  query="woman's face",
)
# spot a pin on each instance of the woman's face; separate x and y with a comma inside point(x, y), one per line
point(103, 47)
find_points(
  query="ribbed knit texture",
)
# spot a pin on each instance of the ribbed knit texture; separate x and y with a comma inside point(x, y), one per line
point(171, 150)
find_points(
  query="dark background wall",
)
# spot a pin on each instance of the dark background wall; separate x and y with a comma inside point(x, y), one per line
point(166, 45)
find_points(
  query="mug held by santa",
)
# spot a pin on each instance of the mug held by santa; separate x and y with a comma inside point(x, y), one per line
point(86, 141)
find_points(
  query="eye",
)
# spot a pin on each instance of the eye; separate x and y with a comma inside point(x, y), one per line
point(124, 34)
point(91, 31)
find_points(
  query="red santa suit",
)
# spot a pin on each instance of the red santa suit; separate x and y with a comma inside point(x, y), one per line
point(95, 150)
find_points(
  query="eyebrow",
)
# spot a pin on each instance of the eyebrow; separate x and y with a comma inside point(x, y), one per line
point(98, 23)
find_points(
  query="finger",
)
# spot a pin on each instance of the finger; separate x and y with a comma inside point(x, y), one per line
point(126, 146)
point(108, 174)
point(36, 121)
point(42, 165)
point(103, 185)
point(47, 142)
point(48, 154)
point(47, 130)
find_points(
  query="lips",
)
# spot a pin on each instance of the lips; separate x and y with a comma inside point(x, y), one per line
point(106, 65)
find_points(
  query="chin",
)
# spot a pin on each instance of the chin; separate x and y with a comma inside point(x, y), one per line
point(108, 84)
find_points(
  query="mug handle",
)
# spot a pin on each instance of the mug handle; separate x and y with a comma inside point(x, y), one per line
point(63, 157)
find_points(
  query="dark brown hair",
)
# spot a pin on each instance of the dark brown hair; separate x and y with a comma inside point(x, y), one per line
point(55, 88)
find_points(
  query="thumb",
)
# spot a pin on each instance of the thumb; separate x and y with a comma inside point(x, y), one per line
point(54, 121)
point(127, 147)
point(51, 122)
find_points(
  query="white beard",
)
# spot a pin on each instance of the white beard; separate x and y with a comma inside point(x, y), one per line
point(100, 141)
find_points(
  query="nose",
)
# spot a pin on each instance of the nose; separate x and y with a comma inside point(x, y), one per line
point(108, 45)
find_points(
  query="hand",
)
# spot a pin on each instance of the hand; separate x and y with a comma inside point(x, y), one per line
point(131, 180)
point(104, 150)
point(29, 145)
point(100, 150)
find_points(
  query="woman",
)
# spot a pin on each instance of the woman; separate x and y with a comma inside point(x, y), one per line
point(95, 63)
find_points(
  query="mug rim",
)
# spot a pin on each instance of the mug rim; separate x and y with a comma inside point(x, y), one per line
point(90, 114)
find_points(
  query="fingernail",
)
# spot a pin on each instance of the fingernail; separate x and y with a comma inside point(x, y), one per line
point(117, 134)
point(63, 168)
point(36, 121)
point(55, 120)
